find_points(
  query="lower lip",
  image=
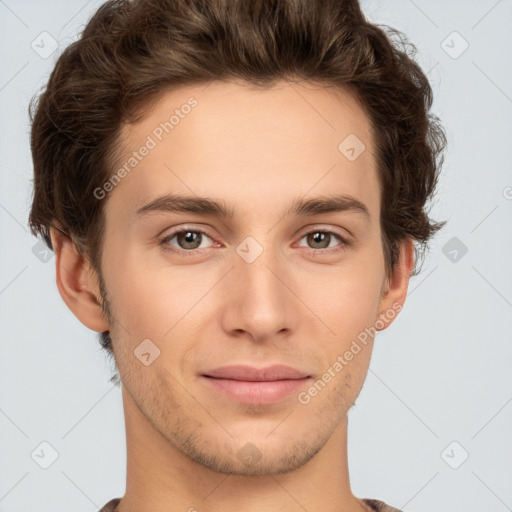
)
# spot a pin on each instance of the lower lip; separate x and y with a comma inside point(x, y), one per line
point(261, 392)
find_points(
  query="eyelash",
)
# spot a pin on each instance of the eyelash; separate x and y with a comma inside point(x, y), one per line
point(194, 252)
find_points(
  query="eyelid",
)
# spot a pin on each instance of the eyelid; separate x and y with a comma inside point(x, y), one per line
point(181, 229)
point(345, 240)
point(341, 232)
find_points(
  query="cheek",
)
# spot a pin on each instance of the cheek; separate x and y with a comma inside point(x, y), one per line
point(150, 296)
point(140, 301)
point(151, 299)
point(348, 300)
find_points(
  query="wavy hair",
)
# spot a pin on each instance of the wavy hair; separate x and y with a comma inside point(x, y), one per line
point(130, 52)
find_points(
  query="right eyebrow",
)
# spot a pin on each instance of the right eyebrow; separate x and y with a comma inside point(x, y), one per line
point(187, 204)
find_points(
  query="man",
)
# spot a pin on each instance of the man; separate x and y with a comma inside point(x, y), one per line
point(233, 191)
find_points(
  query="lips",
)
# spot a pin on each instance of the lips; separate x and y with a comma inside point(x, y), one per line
point(250, 373)
point(257, 386)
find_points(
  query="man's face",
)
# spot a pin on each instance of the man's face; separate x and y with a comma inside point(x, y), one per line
point(258, 288)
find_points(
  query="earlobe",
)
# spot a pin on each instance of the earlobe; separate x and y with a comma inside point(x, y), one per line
point(76, 282)
point(395, 288)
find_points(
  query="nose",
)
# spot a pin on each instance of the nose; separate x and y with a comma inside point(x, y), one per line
point(260, 302)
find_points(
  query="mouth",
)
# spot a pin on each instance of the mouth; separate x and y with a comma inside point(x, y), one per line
point(252, 385)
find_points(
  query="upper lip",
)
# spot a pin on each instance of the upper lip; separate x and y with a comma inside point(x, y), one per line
point(250, 373)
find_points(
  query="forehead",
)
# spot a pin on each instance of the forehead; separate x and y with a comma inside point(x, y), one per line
point(242, 143)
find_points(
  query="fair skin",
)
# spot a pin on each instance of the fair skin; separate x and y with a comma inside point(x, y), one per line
point(204, 306)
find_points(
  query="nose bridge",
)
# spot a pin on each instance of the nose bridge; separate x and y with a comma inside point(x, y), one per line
point(257, 263)
point(260, 297)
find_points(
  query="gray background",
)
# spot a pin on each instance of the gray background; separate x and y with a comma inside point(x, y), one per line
point(439, 386)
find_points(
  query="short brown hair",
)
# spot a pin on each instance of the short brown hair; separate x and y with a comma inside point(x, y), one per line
point(131, 52)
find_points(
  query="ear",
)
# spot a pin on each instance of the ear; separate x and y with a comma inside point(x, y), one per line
point(395, 286)
point(77, 282)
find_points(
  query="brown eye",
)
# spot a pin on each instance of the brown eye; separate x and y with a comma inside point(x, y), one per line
point(318, 239)
point(187, 241)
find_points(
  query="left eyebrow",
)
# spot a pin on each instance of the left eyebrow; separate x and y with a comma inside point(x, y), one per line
point(327, 204)
point(298, 207)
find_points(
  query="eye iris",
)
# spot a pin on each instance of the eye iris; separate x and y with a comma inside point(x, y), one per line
point(318, 237)
point(192, 239)
point(187, 237)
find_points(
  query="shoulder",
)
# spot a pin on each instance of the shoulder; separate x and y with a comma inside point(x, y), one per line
point(380, 506)
point(111, 505)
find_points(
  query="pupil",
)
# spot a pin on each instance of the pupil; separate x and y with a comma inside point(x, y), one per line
point(188, 238)
point(318, 237)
